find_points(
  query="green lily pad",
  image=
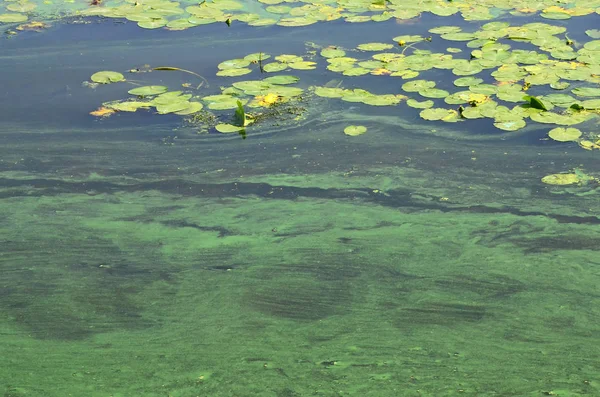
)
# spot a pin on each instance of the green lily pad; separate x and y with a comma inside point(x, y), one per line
point(233, 72)
point(435, 114)
point(355, 130)
point(586, 91)
point(420, 105)
point(332, 52)
point(128, 106)
point(303, 65)
point(12, 18)
point(275, 67)
point(282, 79)
point(433, 93)
point(107, 77)
point(228, 128)
point(193, 107)
point(374, 46)
point(326, 92)
point(234, 64)
point(172, 107)
point(511, 125)
point(564, 134)
point(593, 33)
point(148, 90)
point(417, 85)
point(153, 23)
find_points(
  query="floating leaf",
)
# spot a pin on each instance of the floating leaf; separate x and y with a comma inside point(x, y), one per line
point(106, 77)
point(586, 91)
point(374, 46)
point(561, 179)
point(326, 92)
point(148, 90)
point(564, 134)
point(535, 102)
point(420, 105)
point(355, 130)
point(332, 52)
point(193, 107)
point(12, 18)
point(417, 85)
point(228, 128)
point(233, 72)
point(282, 79)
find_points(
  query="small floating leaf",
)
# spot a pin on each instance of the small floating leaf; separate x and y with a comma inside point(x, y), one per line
point(148, 90)
point(106, 77)
point(228, 128)
point(282, 79)
point(355, 130)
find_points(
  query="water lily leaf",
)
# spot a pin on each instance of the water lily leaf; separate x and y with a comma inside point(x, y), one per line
point(535, 102)
point(559, 85)
point(593, 33)
point(555, 118)
point(233, 72)
point(251, 87)
point(228, 128)
point(275, 67)
point(304, 65)
point(193, 107)
point(129, 106)
point(434, 114)
point(326, 92)
point(282, 79)
point(296, 21)
point(458, 36)
point(332, 52)
point(170, 97)
point(408, 39)
point(382, 100)
point(153, 23)
point(21, 7)
point(564, 134)
point(256, 57)
point(511, 125)
point(11, 18)
point(555, 15)
point(417, 85)
point(420, 105)
point(355, 130)
point(374, 46)
point(592, 104)
point(561, 179)
point(234, 64)
point(172, 107)
point(148, 90)
point(106, 77)
point(443, 30)
point(453, 50)
point(586, 91)
point(355, 72)
point(286, 92)
point(433, 93)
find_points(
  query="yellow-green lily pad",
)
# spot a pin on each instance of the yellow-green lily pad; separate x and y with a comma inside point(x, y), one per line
point(564, 134)
point(107, 77)
point(355, 130)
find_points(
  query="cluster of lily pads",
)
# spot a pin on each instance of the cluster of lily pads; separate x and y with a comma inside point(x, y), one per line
point(178, 15)
point(264, 93)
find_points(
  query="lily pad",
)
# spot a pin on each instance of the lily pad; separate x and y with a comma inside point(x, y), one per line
point(148, 90)
point(282, 79)
point(355, 130)
point(374, 46)
point(564, 134)
point(228, 128)
point(107, 77)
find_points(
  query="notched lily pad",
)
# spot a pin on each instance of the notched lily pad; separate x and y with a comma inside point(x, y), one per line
point(561, 134)
point(148, 90)
point(107, 77)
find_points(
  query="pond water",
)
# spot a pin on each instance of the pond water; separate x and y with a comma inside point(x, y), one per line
point(449, 252)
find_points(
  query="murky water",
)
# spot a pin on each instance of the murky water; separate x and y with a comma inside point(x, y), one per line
point(140, 258)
